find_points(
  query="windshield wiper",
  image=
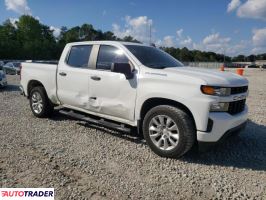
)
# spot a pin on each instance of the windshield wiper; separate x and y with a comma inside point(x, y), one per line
point(156, 66)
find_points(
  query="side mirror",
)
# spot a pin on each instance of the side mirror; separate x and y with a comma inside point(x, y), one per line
point(123, 68)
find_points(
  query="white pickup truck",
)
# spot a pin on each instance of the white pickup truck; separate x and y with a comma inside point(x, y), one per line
point(123, 85)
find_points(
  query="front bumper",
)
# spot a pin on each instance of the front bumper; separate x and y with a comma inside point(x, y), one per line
point(222, 123)
point(205, 146)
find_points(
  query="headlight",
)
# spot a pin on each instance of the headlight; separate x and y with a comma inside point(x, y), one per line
point(215, 90)
point(219, 107)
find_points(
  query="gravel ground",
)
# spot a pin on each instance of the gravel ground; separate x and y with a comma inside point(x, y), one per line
point(82, 161)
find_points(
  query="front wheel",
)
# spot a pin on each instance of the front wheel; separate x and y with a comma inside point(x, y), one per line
point(39, 103)
point(169, 131)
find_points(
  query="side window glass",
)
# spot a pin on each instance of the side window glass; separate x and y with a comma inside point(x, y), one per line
point(79, 56)
point(108, 55)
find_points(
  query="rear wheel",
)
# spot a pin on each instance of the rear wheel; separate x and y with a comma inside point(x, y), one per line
point(168, 131)
point(39, 103)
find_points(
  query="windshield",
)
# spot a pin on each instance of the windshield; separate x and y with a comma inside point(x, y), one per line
point(153, 57)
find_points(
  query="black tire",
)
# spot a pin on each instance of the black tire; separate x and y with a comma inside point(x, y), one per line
point(47, 108)
point(185, 126)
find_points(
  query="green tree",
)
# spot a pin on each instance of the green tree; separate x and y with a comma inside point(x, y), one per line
point(9, 44)
point(198, 56)
point(130, 39)
point(109, 36)
point(239, 58)
point(185, 55)
point(36, 40)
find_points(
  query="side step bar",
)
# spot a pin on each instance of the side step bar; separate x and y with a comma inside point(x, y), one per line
point(83, 117)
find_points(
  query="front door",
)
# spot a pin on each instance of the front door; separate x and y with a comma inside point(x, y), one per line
point(111, 93)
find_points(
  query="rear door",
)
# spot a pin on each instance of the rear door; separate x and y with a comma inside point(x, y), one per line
point(73, 77)
point(111, 93)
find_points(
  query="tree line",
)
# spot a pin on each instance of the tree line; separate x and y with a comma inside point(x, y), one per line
point(29, 39)
point(187, 55)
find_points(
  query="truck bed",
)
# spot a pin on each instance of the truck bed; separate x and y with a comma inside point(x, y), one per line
point(42, 72)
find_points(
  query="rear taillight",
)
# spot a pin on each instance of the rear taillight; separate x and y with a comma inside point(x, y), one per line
point(20, 66)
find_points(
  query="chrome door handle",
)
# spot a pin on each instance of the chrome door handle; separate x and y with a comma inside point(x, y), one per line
point(62, 74)
point(96, 78)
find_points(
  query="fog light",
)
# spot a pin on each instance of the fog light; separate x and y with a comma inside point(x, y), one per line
point(219, 107)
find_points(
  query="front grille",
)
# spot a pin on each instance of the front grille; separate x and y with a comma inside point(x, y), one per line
point(236, 106)
point(238, 90)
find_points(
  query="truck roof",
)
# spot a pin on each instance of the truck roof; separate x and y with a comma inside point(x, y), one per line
point(106, 42)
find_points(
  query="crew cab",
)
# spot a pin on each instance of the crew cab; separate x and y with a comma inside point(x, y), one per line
point(123, 85)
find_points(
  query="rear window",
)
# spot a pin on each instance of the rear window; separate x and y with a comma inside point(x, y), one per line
point(79, 56)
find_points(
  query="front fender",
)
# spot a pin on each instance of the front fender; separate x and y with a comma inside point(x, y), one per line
point(188, 95)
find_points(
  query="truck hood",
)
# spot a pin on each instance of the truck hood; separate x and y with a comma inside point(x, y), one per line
point(210, 76)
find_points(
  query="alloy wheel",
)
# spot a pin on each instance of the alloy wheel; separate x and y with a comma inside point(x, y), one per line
point(164, 132)
point(37, 102)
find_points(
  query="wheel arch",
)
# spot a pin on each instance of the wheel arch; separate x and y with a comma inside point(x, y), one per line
point(32, 84)
point(157, 101)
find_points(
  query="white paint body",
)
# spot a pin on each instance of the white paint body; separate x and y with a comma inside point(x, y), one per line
point(121, 100)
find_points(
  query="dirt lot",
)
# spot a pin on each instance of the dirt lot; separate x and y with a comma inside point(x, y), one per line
point(86, 162)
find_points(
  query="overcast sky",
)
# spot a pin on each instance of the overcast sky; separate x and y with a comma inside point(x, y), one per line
point(230, 26)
